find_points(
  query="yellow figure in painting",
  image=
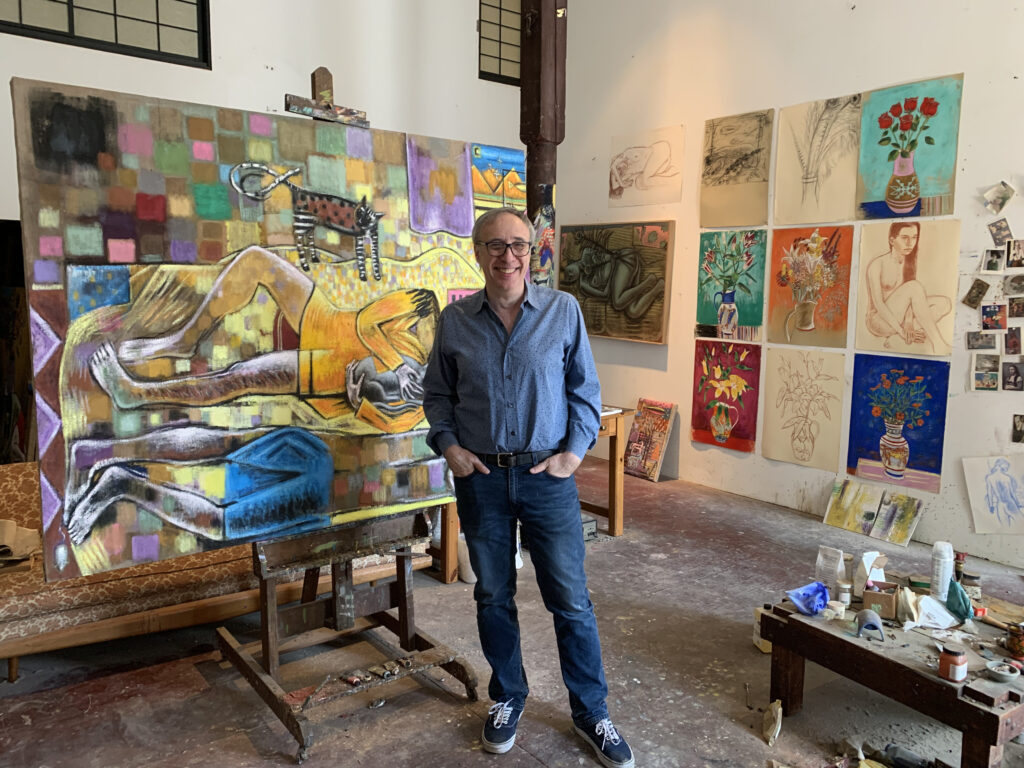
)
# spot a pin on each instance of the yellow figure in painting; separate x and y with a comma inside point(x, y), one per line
point(374, 356)
point(899, 304)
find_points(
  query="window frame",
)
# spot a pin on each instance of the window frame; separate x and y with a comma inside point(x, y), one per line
point(203, 60)
point(494, 76)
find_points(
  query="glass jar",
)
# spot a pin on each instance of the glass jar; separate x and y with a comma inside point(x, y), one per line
point(953, 663)
point(845, 589)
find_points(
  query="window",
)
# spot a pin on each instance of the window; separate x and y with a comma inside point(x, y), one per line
point(177, 31)
point(499, 40)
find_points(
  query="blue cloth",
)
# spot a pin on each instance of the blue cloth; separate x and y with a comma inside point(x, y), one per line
point(548, 508)
point(535, 389)
point(809, 599)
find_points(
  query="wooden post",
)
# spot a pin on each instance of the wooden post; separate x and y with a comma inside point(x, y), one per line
point(542, 93)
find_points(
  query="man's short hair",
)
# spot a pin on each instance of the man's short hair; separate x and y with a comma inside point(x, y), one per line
point(487, 218)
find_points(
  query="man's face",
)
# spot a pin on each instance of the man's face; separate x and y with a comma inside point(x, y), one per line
point(504, 274)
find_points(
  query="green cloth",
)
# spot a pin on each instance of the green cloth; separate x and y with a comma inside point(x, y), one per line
point(957, 601)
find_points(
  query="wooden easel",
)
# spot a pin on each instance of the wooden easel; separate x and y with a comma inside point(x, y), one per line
point(347, 610)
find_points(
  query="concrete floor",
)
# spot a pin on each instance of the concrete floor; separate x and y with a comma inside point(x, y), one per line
point(674, 596)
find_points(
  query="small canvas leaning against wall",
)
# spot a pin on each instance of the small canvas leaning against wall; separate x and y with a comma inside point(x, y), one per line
point(231, 314)
point(645, 448)
point(621, 274)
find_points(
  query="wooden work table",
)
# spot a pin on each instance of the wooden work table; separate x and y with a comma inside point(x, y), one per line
point(905, 669)
point(612, 427)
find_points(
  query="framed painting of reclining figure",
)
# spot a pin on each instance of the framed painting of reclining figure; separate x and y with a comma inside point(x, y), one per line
point(231, 313)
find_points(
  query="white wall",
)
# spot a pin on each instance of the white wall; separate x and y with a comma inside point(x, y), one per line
point(651, 63)
point(411, 65)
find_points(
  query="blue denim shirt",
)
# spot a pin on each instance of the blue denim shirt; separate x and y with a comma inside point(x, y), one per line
point(534, 389)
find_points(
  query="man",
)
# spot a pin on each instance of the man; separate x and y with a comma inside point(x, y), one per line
point(513, 401)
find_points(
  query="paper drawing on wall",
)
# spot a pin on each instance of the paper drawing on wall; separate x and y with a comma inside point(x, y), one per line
point(734, 174)
point(211, 363)
point(908, 149)
point(898, 420)
point(995, 485)
point(620, 274)
point(730, 280)
point(648, 436)
point(908, 284)
point(865, 508)
point(816, 165)
point(645, 169)
point(312, 209)
point(726, 378)
point(803, 407)
point(809, 286)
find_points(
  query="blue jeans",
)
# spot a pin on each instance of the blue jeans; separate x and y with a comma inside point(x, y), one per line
point(549, 510)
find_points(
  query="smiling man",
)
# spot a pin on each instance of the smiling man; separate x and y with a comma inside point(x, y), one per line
point(513, 401)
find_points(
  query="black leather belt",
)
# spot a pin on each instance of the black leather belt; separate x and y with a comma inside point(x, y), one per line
point(506, 460)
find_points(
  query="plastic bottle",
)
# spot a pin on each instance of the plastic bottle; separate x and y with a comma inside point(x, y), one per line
point(942, 569)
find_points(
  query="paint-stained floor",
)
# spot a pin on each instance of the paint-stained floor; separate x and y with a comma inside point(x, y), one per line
point(674, 597)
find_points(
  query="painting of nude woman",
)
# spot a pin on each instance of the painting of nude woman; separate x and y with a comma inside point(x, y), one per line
point(908, 281)
point(229, 423)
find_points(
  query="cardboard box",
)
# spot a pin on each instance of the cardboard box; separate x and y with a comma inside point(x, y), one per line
point(883, 603)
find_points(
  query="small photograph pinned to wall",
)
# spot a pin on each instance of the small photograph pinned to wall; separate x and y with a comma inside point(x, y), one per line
point(1015, 306)
point(975, 294)
point(1015, 256)
point(1000, 231)
point(993, 316)
point(1012, 380)
point(1013, 284)
point(1017, 428)
point(1011, 341)
point(980, 340)
point(997, 196)
point(985, 372)
point(992, 261)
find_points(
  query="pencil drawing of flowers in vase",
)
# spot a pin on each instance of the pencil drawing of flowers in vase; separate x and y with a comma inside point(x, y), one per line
point(722, 386)
point(732, 264)
point(903, 127)
point(898, 400)
point(803, 397)
point(809, 266)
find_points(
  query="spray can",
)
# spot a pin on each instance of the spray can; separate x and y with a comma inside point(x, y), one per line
point(904, 758)
point(942, 570)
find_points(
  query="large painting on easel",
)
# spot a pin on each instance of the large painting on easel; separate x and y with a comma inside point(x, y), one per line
point(231, 314)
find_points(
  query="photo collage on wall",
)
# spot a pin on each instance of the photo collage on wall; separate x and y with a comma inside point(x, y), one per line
point(843, 165)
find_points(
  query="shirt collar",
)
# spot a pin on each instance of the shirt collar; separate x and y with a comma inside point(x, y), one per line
point(479, 298)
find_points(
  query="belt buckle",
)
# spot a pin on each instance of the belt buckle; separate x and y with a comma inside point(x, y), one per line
point(505, 460)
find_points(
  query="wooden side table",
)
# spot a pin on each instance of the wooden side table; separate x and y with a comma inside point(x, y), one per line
point(613, 426)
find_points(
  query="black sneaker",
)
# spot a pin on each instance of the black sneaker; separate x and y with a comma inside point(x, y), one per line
point(500, 728)
point(611, 749)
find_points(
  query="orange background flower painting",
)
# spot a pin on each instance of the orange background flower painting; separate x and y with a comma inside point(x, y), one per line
point(809, 285)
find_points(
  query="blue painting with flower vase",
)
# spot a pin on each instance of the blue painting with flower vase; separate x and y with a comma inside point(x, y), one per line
point(898, 420)
point(730, 280)
point(908, 149)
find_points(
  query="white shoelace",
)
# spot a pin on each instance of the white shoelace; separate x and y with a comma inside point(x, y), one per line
point(502, 711)
point(607, 730)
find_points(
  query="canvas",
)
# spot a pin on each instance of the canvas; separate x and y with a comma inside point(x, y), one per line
point(231, 314)
point(898, 421)
point(908, 149)
point(730, 284)
point(803, 407)
point(734, 173)
point(646, 168)
point(872, 511)
point(995, 485)
point(809, 286)
point(816, 161)
point(726, 383)
point(648, 436)
point(621, 274)
point(908, 286)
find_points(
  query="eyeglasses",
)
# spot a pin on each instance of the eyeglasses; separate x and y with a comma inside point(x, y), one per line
point(497, 247)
